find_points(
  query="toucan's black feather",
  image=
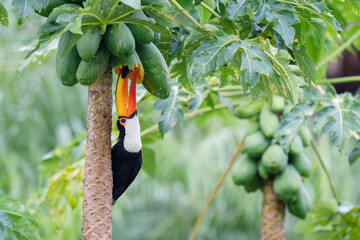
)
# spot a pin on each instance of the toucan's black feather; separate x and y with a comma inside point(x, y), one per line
point(125, 165)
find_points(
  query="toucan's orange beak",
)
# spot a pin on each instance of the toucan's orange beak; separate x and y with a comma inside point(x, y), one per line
point(126, 103)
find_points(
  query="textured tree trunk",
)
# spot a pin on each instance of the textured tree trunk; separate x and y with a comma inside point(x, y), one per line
point(272, 214)
point(97, 204)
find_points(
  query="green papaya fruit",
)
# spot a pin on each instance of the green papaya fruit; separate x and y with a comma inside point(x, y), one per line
point(119, 40)
point(268, 121)
point(247, 109)
point(296, 146)
point(252, 128)
point(89, 72)
point(156, 72)
point(278, 103)
point(287, 184)
point(142, 34)
point(274, 159)
point(253, 185)
point(45, 12)
point(255, 144)
point(54, 14)
point(244, 170)
point(302, 205)
point(67, 65)
point(262, 171)
point(305, 136)
point(302, 164)
point(88, 44)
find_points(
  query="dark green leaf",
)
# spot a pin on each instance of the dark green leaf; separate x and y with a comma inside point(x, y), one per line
point(4, 19)
point(25, 8)
point(305, 63)
point(254, 63)
point(205, 15)
point(197, 2)
point(354, 155)
point(238, 8)
point(282, 14)
point(210, 56)
point(171, 111)
point(285, 74)
point(181, 69)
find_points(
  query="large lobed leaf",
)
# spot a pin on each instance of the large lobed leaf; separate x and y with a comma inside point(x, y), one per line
point(171, 111)
point(339, 116)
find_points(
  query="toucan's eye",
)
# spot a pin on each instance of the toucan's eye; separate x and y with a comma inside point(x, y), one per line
point(122, 121)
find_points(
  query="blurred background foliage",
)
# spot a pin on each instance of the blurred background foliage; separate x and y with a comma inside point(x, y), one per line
point(42, 125)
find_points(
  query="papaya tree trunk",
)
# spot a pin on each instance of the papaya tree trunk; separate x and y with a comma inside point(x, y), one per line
point(272, 214)
point(97, 181)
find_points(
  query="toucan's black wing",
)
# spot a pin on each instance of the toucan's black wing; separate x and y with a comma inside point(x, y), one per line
point(125, 167)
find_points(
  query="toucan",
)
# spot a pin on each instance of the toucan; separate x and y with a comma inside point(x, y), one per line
point(126, 155)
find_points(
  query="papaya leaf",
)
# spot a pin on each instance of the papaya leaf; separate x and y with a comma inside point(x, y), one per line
point(318, 10)
point(210, 56)
point(181, 69)
point(355, 4)
point(253, 64)
point(204, 15)
point(156, 27)
point(354, 155)
point(339, 116)
point(171, 111)
point(135, 4)
point(25, 8)
point(238, 8)
point(282, 15)
point(291, 124)
point(159, 17)
point(317, 24)
point(24, 224)
point(4, 19)
point(285, 75)
point(4, 223)
point(305, 63)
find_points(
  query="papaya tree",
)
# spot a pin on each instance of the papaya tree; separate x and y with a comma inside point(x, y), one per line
point(273, 52)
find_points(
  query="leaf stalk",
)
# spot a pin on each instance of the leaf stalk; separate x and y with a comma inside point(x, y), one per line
point(209, 9)
point(185, 13)
point(322, 163)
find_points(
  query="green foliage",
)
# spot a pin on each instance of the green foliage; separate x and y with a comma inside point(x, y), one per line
point(171, 111)
point(4, 19)
point(16, 222)
point(328, 221)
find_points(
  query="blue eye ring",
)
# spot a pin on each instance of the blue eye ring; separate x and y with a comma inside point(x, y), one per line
point(123, 120)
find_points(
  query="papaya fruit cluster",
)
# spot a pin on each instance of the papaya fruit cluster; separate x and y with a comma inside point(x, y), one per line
point(122, 45)
point(263, 160)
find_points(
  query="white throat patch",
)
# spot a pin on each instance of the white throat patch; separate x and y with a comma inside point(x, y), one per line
point(132, 139)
